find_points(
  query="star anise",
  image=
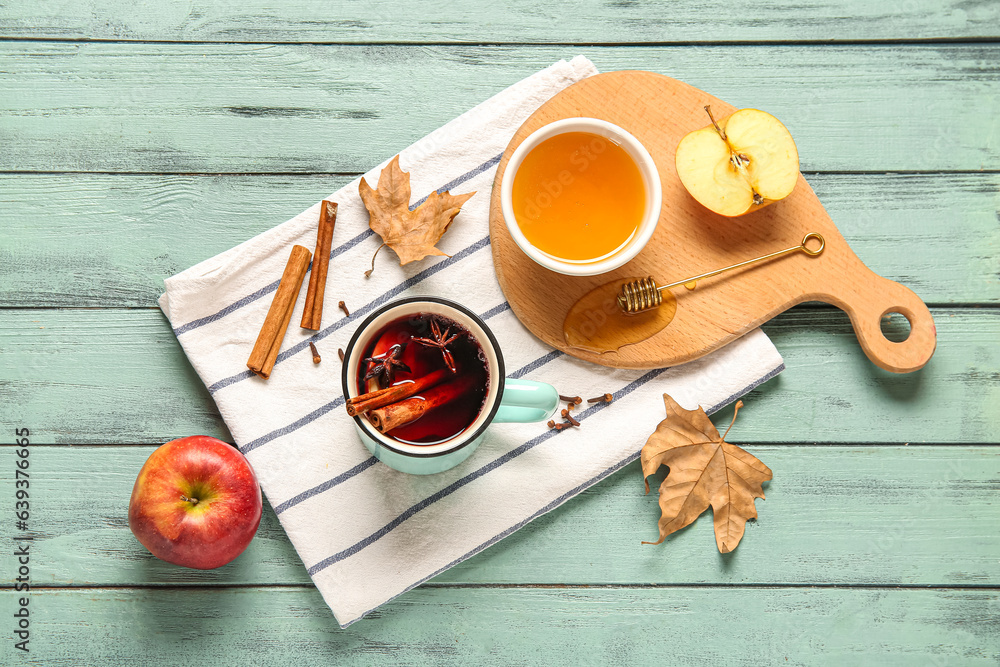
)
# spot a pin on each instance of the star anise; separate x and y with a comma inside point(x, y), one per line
point(440, 341)
point(385, 365)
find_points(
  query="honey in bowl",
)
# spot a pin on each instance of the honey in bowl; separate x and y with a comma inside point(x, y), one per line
point(578, 197)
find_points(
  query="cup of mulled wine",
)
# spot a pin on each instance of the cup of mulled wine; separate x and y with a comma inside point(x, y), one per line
point(424, 378)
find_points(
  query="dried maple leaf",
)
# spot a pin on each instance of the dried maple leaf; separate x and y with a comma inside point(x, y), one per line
point(704, 470)
point(412, 234)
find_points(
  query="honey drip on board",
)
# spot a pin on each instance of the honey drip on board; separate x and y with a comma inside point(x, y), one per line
point(578, 196)
point(595, 323)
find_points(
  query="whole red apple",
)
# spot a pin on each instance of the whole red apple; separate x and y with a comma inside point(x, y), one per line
point(195, 503)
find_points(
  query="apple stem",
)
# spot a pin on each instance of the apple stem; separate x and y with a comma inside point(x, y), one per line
point(193, 501)
point(722, 133)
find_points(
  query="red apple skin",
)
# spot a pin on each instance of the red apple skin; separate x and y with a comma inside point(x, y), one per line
point(205, 534)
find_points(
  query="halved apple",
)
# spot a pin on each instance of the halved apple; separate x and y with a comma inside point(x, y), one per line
point(738, 164)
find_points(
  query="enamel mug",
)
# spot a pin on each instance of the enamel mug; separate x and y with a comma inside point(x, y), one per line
point(507, 400)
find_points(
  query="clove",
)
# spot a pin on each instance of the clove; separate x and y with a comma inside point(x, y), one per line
point(566, 415)
point(312, 348)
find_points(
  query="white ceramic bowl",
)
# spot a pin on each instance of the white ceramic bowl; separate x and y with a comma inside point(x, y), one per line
point(650, 180)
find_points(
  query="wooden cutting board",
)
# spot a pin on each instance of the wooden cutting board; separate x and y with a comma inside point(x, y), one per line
point(690, 240)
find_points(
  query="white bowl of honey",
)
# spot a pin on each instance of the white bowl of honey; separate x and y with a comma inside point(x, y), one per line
point(581, 196)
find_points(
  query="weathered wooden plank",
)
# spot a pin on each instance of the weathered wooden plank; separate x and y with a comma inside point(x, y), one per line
point(304, 108)
point(49, 255)
point(130, 377)
point(517, 21)
point(108, 376)
point(902, 515)
point(291, 626)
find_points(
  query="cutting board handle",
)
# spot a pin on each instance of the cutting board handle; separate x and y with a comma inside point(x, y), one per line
point(875, 297)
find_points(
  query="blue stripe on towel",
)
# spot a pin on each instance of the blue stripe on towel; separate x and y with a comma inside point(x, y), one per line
point(360, 312)
point(537, 363)
point(509, 531)
point(236, 305)
point(343, 477)
point(328, 484)
point(294, 426)
point(474, 475)
point(494, 311)
point(489, 164)
point(264, 291)
point(561, 499)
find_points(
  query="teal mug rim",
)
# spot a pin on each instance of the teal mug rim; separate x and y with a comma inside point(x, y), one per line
point(468, 439)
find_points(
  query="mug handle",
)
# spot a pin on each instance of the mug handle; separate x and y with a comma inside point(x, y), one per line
point(526, 401)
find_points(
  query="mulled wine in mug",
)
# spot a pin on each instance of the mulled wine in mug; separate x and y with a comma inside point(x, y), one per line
point(423, 379)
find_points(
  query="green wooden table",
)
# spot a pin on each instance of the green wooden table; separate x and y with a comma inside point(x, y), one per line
point(137, 142)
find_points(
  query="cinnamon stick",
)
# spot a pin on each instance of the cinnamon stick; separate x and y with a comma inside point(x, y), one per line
point(312, 315)
point(383, 397)
point(411, 409)
point(272, 332)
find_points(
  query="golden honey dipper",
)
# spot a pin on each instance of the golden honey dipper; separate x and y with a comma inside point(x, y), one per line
point(640, 295)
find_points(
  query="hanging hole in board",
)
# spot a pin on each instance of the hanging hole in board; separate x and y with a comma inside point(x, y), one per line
point(895, 326)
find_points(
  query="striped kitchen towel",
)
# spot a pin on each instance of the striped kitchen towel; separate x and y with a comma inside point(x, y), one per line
point(365, 532)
